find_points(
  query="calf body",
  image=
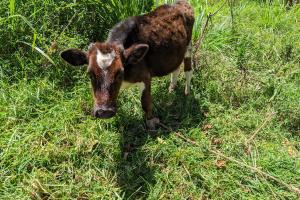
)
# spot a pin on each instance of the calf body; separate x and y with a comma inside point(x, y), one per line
point(138, 49)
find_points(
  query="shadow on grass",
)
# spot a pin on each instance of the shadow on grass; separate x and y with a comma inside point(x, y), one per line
point(136, 168)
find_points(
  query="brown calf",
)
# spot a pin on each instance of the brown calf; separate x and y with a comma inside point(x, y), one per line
point(137, 49)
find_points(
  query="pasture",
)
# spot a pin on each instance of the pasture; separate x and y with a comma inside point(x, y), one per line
point(236, 136)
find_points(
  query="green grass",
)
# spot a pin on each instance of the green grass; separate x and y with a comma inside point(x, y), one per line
point(51, 147)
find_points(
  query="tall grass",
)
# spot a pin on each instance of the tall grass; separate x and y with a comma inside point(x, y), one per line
point(52, 25)
point(12, 7)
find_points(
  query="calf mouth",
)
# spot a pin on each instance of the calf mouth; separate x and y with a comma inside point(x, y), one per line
point(104, 112)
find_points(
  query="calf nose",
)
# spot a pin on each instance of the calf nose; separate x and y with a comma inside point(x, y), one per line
point(104, 113)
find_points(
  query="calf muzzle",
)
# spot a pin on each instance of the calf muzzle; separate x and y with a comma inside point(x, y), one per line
point(104, 112)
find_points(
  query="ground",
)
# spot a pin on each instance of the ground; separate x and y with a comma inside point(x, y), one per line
point(244, 103)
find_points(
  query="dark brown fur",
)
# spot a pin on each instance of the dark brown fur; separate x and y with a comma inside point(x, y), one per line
point(146, 46)
point(168, 31)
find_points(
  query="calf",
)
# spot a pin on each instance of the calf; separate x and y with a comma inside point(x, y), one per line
point(138, 49)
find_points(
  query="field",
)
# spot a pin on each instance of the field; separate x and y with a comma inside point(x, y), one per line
point(237, 136)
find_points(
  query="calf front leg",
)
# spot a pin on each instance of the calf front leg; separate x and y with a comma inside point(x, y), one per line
point(146, 100)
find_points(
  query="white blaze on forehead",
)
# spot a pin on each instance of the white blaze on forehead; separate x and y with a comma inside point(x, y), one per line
point(105, 60)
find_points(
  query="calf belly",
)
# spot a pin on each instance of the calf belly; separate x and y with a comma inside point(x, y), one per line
point(161, 63)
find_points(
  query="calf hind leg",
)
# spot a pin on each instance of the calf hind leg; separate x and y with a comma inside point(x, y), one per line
point(174, 79)
point(188, 69)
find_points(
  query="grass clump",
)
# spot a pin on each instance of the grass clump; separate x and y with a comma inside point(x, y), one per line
point(247, 71)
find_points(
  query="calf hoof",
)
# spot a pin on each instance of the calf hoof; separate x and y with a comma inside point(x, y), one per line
point(172, 88)
point(152, 123)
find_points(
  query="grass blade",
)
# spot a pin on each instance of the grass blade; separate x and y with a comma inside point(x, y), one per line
point(40, 51)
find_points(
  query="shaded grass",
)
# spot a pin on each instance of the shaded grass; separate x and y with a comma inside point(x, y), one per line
point(51, 147)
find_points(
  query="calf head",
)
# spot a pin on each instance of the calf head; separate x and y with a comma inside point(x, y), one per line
point(106, 65)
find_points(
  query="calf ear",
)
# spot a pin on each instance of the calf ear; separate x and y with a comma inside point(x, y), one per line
point(74, 57)
point(135, 53)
